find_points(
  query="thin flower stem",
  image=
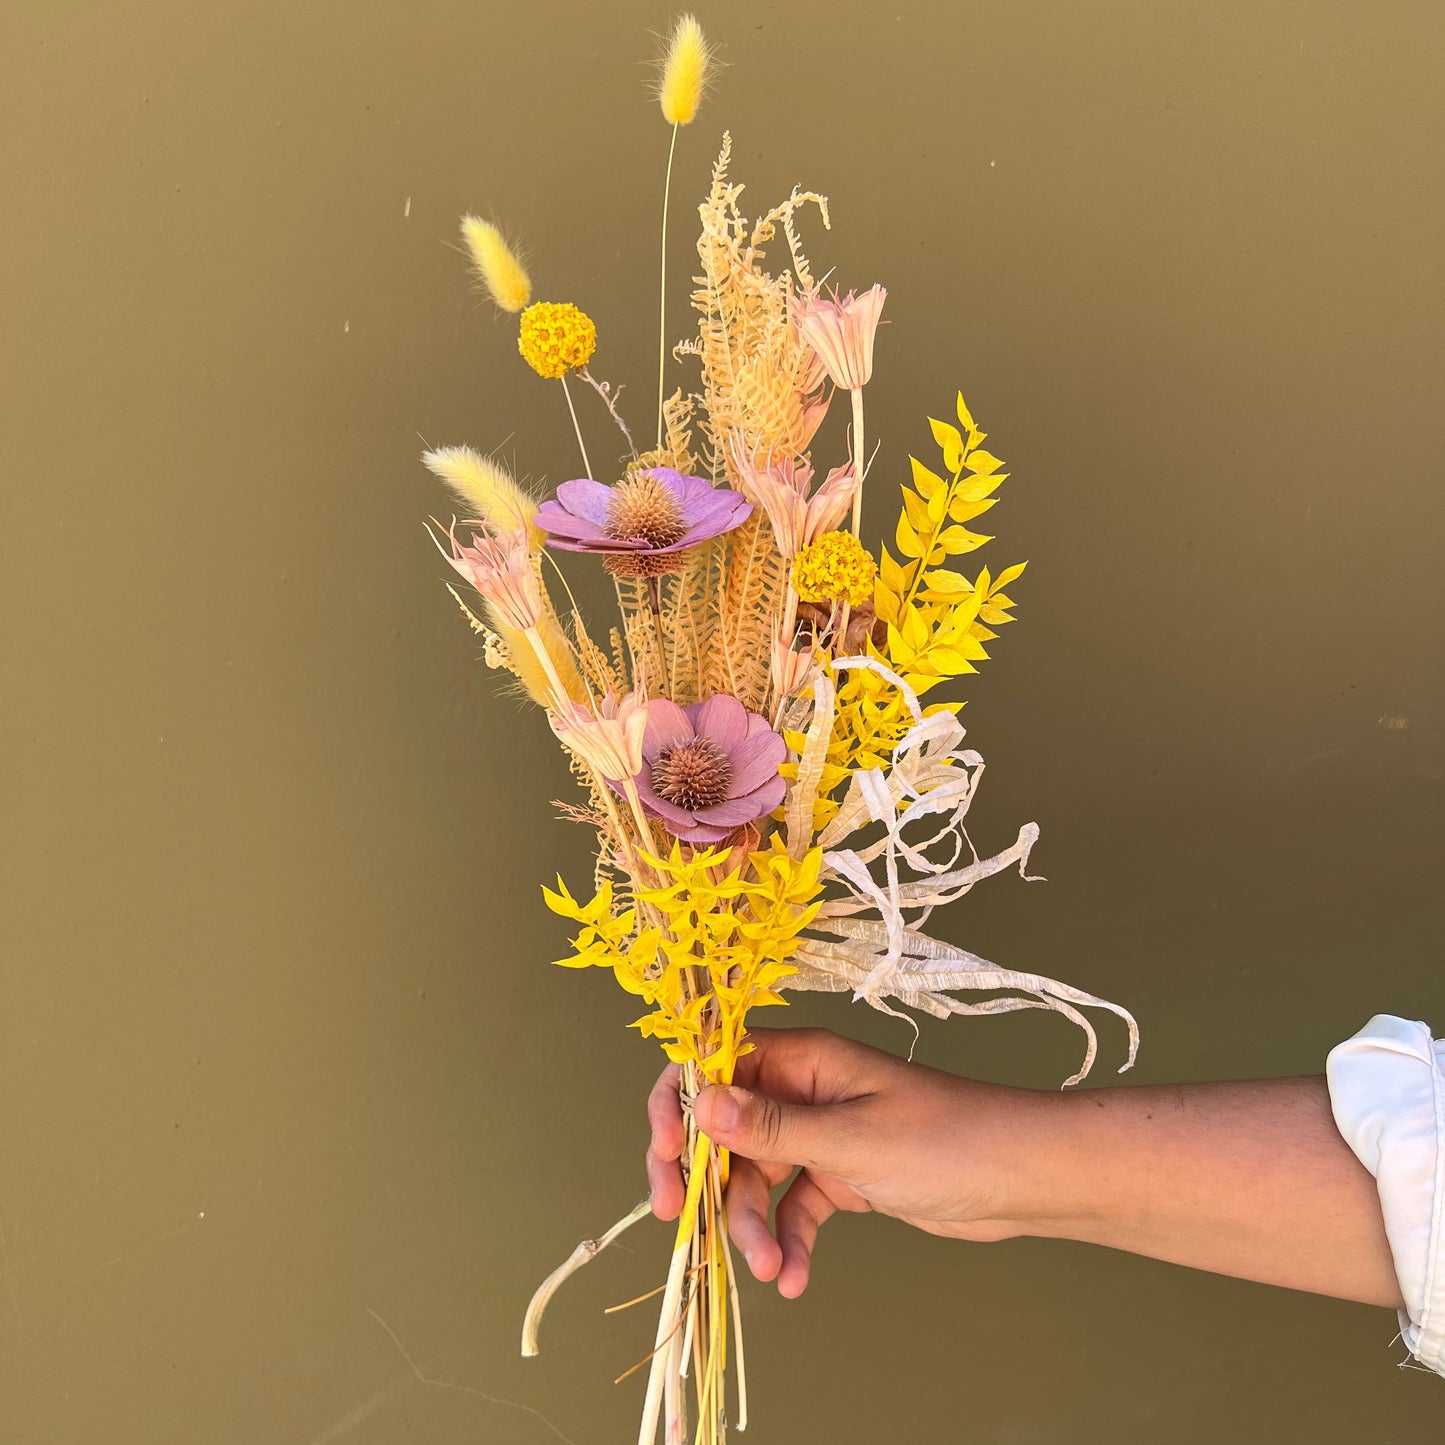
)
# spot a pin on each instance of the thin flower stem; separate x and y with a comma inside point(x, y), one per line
point(586, 1251)
point(644, 828)
point(638, 677)
point(670, 1317)
point(674, 1393)
point(654, 599)
point(646, 1359)
point(576, 620)
point(567, 392)
point(858, 463)
point(662, 302)
point(609, 400)
point(544, 657)
point(737, 1313)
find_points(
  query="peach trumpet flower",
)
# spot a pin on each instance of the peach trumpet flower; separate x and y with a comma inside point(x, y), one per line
point(607, 736)
point(499, 565)
point(782, 491)
point(841, 332)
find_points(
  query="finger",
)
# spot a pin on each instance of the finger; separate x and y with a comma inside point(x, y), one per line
point(822, 1137)
point(748, 1203)
point(664, 1114)
point(664, 1175)
point(802, 1211)
point(665, 1187)
point(808, 1066)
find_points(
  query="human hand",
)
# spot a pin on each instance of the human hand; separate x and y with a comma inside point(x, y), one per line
point(866, 1131)
point(1247, 1177)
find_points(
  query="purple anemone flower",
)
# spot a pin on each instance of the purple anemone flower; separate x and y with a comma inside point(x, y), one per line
point(709, 768)
point(643, 526)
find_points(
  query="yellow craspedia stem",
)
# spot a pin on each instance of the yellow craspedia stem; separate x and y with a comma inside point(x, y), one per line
point(684, 71)
point(502, 273)
point(556, 338)
point(835, 568)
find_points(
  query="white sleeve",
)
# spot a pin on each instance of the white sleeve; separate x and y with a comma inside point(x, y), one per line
point(1387, 1090)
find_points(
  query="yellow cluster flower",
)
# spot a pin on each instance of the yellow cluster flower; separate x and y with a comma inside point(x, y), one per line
point(556, 338)
point(835, 568)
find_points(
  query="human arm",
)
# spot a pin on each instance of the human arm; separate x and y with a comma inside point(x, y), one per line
point(1249, 1179)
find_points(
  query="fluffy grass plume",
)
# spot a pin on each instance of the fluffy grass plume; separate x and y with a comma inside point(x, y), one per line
point(684, 71)
point(485, 489)
point(502, 273)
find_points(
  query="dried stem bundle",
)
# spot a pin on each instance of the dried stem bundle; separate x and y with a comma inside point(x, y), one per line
point(776, 806)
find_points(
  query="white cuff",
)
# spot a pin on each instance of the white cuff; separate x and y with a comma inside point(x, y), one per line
point(1387, 1089)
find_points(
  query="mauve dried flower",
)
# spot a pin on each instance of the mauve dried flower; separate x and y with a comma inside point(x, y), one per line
point(644, 524)
point(710, 768)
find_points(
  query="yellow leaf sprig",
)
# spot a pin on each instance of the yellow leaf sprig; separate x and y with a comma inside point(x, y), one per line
point(938, 620)
point(739, 929)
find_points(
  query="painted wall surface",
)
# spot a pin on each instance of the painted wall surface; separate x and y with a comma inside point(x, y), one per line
point(293, 1111)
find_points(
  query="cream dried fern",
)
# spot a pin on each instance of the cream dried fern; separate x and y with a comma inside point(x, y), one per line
point(754, 583)
point(758, 376)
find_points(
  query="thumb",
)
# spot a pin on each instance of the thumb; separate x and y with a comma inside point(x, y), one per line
point(815, 1136)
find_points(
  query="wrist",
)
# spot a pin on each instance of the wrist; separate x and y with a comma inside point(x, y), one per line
point(1032, 1173)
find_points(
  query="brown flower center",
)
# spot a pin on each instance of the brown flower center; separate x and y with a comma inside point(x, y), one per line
point(693, 775)
point(642, 507)
point(645, 564)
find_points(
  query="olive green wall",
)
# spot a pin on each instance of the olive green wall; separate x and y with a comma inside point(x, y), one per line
point(293, 1111)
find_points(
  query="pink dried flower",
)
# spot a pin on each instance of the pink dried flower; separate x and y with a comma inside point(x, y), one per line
point(791, 669)
point(608, 737)
point(830, 503)
point(643, 526)
point(499, 565)
point(842, 332)
point(812, 409)
point(781, 490)
point(710, 768)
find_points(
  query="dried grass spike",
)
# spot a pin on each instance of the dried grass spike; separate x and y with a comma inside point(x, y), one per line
point(485, 489)
point(685, 70)
point(496, 264)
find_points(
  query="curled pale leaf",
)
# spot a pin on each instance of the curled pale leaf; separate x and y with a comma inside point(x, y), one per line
point(803, 795)
point(922, 860)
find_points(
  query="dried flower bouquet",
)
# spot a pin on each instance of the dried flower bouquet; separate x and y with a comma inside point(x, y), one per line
point(776, 807)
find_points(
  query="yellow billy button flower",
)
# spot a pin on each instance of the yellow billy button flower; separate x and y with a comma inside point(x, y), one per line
point(556, 338)
point(835, 568)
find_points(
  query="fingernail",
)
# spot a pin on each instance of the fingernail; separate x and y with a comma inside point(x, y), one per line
point(724, 1110)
